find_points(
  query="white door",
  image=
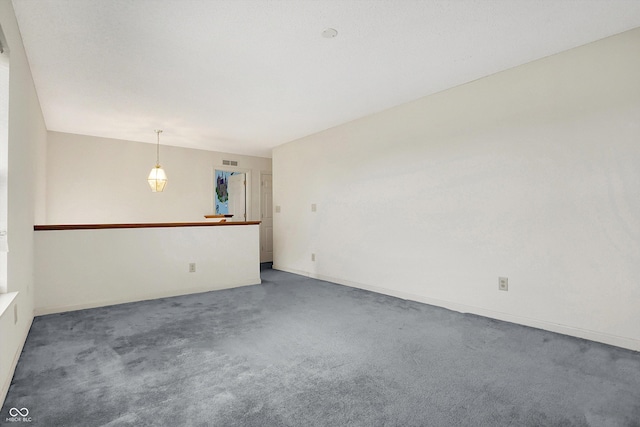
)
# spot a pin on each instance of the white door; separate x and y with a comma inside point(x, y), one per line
point(237, 189)
point(266, 214)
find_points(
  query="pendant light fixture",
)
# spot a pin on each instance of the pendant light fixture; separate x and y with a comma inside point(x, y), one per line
point(157, 178)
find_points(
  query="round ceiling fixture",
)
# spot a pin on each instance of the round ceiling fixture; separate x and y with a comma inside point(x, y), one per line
point(329, 33)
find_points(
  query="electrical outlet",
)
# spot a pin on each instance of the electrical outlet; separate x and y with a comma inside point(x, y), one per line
point(313, 207)
point(503, 283)
point(313, 257)
point(192, 267)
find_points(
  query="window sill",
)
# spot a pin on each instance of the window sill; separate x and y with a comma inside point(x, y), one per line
point(6, 300)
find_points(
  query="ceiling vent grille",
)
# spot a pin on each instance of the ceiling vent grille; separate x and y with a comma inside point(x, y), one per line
point(230, 163)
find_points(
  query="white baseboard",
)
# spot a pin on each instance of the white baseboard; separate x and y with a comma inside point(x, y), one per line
point(40, 311)
point(624, 342)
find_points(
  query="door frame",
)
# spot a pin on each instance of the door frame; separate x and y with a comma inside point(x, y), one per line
point(263, 173)
point(234, 179)
point(248, 194)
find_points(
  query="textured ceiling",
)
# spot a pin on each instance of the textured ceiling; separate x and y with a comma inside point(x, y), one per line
point(243, 76)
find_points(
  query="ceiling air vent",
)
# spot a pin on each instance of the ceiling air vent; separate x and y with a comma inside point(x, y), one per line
point(230, 163)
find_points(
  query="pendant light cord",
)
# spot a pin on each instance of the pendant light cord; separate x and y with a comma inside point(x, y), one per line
point(158, 149)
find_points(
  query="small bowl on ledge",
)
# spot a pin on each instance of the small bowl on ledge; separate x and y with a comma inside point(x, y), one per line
point(218, 218)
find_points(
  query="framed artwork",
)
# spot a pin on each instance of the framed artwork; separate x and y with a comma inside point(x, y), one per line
point(222, 191)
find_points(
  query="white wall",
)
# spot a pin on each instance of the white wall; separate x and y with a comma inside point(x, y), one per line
point(532, 173)
point(26, 154)
point(77, 269)
point(99, 180)
point(4, 164)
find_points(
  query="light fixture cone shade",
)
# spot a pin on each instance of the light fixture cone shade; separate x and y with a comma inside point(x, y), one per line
point(157, 179)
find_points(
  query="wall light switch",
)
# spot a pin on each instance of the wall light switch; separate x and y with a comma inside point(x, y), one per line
point(277, 208)
point(313, 207)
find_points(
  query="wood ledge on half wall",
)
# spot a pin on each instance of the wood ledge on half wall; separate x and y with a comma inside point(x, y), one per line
point(47, 227)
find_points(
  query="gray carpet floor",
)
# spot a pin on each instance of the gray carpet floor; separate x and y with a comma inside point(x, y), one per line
point(296, 351)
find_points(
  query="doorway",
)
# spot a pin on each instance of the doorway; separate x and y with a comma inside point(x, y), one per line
point(230, 194)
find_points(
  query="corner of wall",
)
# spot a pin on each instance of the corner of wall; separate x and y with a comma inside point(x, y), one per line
point(25, 195)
